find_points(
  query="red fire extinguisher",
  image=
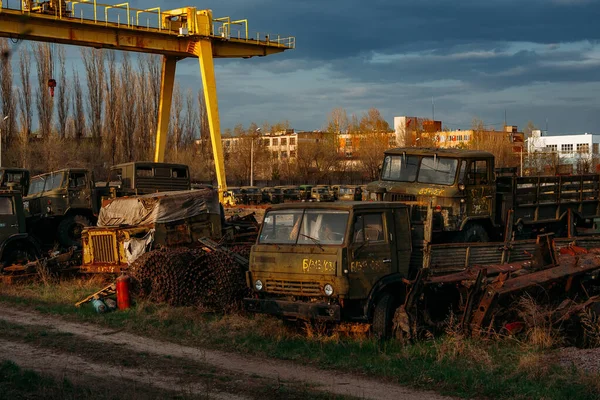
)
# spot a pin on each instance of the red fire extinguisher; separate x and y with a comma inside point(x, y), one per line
point(123, 301)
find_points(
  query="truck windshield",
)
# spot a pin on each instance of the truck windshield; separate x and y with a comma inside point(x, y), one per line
point(437, 170)
point(401, 168)
point(298, 226)
point(37, 185)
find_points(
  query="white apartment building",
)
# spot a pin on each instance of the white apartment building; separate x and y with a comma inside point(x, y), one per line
point(571, 148)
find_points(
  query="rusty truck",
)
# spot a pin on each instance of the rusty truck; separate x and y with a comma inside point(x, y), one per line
point(472, 199)
point(129, 226)
point(361, 262)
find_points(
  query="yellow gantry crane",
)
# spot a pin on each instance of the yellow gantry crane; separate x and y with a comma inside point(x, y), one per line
point(174, 34)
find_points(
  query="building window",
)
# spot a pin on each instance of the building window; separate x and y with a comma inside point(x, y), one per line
point(276, 155)
point(284, 154)
point(566, 148)
point(292, 141)
point(267, 142)
point(275, 142)
point(595, 148)
point(551, 147)
point(293, 154)
point(583, 148)
point(283, 141)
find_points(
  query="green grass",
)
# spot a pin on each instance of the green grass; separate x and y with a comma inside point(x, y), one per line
point(501, 369)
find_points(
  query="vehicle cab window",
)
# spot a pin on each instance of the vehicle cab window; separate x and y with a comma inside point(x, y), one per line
point(477, 173)
point(6, 206)
point(77, 180)
point(368, 227)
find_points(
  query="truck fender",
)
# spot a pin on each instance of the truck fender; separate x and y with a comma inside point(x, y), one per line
point(483, 221)
point(16, 238)
point(390, 283)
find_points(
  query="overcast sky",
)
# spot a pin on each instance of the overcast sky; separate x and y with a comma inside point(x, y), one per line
point(536, 60)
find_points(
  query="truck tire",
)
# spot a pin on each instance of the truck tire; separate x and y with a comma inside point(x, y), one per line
point(19, 252)
point(69, 230)
point(473, 233)
point(383, 316)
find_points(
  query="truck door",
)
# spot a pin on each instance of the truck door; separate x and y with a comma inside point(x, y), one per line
point(479, 186)
point(370, 255)
point(9, 221)
point(402, 240)
point(79, 190)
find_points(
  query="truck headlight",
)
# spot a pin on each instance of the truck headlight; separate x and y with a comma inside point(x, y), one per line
point(328, 289)
point(258, 285)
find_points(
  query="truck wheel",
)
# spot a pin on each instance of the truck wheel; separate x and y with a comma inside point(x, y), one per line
point(20, 252)
point(383, 317)
point(69, 230)
point(473, 233)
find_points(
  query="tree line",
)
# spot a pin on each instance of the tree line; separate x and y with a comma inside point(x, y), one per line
point(106, 112)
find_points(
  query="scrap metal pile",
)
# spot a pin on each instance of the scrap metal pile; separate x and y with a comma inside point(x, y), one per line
point(209, 277)
point(559, 273)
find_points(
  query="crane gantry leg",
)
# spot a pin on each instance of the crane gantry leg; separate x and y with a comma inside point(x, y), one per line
point(164, 109)
point(203, 49)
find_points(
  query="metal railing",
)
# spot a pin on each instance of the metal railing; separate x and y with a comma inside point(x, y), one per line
point(122, 15)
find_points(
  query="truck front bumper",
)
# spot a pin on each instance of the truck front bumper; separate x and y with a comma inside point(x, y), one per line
point(294, 309)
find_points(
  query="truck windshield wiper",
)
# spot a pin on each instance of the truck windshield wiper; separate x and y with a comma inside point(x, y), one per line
point(315, 241)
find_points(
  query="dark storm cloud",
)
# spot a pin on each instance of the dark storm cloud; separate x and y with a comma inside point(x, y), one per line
point(476, 58)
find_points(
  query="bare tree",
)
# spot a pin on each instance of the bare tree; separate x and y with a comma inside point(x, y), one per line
point(63, 103)
point(129, 111)
point(7, 93)
point(78, 108)
point(113, 95)
point(25, 104)
point(498, 143)
point(337, 121)
point(93, 62)
point(44, 101)
point(177, 121)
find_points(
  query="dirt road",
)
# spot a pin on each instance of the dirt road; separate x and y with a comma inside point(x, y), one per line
point(243, 368)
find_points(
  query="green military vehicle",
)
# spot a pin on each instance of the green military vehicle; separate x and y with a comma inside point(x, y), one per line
point(60, 204)
point(16, 246)
point(14, 179)
point(349, 193)
point(321, 193)
point(472, 199)
point(360, 262)
point(331, 261)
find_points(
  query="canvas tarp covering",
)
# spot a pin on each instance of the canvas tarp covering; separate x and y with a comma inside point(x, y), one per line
point(159, 208)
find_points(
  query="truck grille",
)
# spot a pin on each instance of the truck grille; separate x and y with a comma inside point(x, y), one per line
point(401, 197)
point(104, 250)
point(293, 287)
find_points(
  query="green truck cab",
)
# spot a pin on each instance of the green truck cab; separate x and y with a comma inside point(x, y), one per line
point(14, 179)
point(16, 246)
point(331, 261)
point(474, 202)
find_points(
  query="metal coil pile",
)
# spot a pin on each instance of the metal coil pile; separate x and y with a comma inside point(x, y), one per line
point(184, 277)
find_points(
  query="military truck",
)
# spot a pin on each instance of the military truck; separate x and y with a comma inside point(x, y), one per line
point(361, 262)
point(60, 204)
point(16, 245)
point(321, 193)
point(349, 193)
point(14, 179)
point(472, 199)
point(331, 261)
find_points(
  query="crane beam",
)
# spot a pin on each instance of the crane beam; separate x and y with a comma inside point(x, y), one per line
point(109, 35)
